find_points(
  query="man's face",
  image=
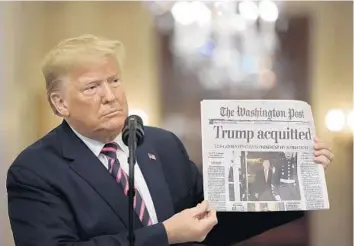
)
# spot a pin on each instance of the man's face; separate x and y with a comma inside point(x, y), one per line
point(266, 164)
point(288, 155)
point(95, 99)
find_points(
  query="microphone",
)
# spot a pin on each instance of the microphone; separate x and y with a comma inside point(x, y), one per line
point(132, 136)
point(135, 122)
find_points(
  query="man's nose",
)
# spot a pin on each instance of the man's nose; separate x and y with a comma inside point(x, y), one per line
point(107, 93)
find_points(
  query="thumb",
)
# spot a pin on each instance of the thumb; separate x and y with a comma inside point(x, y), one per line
point(200, 208)
point(210, 220)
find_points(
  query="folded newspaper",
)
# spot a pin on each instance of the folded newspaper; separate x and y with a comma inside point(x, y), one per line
point(258, 156)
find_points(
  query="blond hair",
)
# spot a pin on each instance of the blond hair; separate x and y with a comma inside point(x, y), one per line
point(61, 60)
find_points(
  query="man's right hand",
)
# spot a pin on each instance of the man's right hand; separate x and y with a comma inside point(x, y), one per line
point(191, 225)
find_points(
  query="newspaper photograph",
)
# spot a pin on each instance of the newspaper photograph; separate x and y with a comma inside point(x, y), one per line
point(258, 155)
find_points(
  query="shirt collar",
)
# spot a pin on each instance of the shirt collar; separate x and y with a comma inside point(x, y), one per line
point(96, 146)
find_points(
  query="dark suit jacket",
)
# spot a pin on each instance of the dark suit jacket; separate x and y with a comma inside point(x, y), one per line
point(262, 187)
point(59, 193)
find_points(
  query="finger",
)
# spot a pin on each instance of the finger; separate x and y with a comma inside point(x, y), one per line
point(204, 206)
point(211, 219)
point(321, 145)
point(194, 211)
point(317, 140)
point(326, 153)
point(322, 160)
point(212, 214)
point(200, 208)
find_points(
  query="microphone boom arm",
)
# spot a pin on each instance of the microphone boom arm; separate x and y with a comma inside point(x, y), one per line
point(132, 136)
point(132, 145)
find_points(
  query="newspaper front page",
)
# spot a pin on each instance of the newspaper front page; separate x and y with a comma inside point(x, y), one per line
point(258, 156)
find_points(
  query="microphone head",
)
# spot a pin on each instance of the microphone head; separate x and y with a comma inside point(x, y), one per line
point(130, 121)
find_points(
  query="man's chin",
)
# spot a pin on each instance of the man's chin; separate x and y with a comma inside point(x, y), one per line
point(114, 125)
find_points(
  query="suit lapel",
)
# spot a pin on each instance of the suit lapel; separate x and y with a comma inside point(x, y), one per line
point(90, 168)
point(151, 169)
point(94, 173)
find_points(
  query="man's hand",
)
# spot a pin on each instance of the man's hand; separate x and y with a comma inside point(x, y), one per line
point(323, 153)
point(191, 225)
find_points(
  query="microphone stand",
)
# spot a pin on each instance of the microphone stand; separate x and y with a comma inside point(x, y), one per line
point(132, 144)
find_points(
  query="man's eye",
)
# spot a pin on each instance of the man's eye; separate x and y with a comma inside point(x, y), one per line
point(91, 88)
point(116, 80)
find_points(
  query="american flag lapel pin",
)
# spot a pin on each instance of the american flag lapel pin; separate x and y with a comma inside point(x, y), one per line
point(152, 156)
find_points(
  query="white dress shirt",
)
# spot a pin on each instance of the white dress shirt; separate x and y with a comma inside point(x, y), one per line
point(122, 155)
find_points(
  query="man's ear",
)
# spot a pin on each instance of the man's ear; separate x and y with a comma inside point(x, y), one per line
point(59, 103)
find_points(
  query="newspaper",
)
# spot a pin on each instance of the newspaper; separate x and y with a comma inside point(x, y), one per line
point(258, 155)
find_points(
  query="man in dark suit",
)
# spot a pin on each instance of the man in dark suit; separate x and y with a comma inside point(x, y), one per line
point(263, 182)
point(288, 183)
point(70, 187)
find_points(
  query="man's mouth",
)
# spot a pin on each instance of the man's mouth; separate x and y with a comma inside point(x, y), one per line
point(112, 113)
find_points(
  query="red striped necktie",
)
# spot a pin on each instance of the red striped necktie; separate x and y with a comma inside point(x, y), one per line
point(110, 150)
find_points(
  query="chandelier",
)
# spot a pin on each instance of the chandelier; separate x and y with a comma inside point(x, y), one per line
point(223, 42)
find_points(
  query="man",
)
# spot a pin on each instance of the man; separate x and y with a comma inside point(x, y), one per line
point(263, 182)
point(69, 188)
point(288, 186)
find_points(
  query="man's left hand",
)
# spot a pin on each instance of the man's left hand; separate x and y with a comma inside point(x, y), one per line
point(323, 153)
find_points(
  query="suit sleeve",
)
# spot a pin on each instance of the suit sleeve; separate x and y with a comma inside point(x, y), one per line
point(234, 227)
point(40, 216)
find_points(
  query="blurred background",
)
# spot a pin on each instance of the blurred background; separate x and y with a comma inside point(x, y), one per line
point(180, 53)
